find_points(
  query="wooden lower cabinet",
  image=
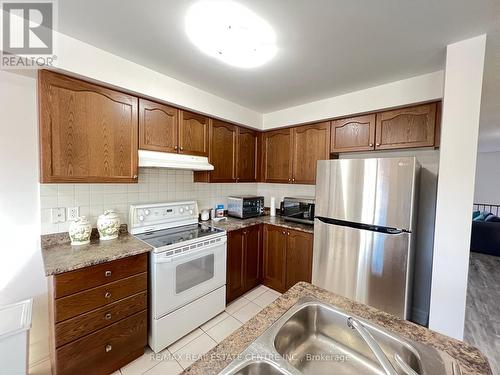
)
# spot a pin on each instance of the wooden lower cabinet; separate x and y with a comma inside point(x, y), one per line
point(98, 316)
point(244, 260)
point(287, 257)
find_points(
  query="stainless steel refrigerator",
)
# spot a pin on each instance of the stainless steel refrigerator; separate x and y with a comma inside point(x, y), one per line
point(364, 230)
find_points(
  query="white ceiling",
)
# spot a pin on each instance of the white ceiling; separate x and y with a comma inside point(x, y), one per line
point(326, 47)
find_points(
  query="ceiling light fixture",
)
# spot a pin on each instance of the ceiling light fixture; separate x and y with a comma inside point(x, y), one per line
point(231, 33)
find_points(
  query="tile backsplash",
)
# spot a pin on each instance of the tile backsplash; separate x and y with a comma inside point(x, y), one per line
point(155, 185)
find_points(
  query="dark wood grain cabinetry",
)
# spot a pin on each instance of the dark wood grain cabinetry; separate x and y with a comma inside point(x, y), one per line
point(406, 127)
point(88, 133)
point(278, 154)
point(247, 162)
point(287, 257)
point(244, 261)
point(98, 316)
point(310, 143)
point(353, 134)
point(193, 133)
point(158, 126)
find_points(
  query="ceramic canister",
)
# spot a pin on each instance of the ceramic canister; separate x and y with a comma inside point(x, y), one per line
point(108, 225)
point(79, 231)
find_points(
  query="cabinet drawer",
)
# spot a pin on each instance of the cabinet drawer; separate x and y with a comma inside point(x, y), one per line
point(79, 303)
point(75, 281)
point(82, 325)
point(106, 350)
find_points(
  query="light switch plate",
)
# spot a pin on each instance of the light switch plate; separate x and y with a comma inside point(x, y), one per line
point(58, 215)
point(73, 213)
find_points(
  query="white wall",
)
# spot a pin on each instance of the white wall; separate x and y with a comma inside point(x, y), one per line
point(460, 126)
point(408, 91)
point(487, 186)
point(21, 274)
point(79, 58)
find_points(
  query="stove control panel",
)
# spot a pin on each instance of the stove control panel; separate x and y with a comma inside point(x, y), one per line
point(156, 216)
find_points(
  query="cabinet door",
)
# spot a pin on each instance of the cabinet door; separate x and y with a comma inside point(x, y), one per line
point(299, 250)
point(353, 134)
point(88, 133)
point(235, 278)
point(247, 161)
point(158, 124)
point(274, 266)
point(253, 256)
point(406, 127)
point(278, 156)
point(310, 144)
point(223, 144)
point(193, 134)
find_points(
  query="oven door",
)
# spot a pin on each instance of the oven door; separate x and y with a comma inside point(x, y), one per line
point(179, 279)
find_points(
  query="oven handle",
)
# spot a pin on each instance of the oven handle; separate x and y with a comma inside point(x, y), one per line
point(158, 259)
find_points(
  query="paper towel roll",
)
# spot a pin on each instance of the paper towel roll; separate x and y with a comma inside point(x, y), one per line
point(273, 206)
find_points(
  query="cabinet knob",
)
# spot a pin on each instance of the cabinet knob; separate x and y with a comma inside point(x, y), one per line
point(377, 144)
point(283, 232)
point(107, 273)
point(108, 348)
point(371, 145)
point(135, 176)
point(289, 179)
point(175, 147)
point(287, 233)
point(182, 148)
point(107, 295)
point(293, 179)
point(107, 316)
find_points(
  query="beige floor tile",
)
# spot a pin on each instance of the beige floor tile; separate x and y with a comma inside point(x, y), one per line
point(236, 305)
point(184, 340)
point(194, 350)
point(247, 312)
point(141, 364)
point(219, 318)
point(224, 328)
point(166, 367)
point(255, 292)
point(266, 298)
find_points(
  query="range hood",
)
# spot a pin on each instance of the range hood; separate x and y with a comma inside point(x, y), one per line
point(173, 161)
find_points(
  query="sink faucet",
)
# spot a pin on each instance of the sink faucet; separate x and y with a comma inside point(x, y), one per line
point(372, 344)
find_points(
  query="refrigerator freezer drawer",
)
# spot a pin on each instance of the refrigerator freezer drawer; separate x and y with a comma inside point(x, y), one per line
point(369, 267)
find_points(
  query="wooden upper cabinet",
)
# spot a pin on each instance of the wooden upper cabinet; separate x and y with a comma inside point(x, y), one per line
point(88, 133)
point(299, 253)
point(158, 124)
point(353, 134)
point(223, 151)
point(248, 158)
point(277, 150)
point(310, 144)
point(406, 127)
point(193, 133)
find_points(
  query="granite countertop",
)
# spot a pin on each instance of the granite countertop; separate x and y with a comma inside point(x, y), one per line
point(232, 223)
point(470, 359)
point(59, 256)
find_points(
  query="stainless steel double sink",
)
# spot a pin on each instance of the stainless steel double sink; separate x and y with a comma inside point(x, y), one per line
point(313, 337)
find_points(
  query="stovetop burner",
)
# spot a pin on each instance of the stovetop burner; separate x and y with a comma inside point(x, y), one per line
point(166, 237)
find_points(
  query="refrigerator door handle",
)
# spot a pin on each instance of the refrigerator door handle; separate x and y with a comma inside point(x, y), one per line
point(370, 227)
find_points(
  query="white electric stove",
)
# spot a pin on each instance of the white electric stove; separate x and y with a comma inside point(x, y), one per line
point(187, 268)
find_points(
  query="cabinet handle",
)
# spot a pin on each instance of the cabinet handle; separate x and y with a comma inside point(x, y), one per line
point(377, 144)
point(107, 316)
point(107, 295)
point(135, 176)
point(182, 148)
point(289, 179)
point(293, 179)
point(371, 145)
point(287, 233)
point(108, 348)
point(283, 232)
point(107, 273)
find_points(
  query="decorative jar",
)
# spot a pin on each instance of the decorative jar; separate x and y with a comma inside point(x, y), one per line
point(79, 231)
point(108, 225)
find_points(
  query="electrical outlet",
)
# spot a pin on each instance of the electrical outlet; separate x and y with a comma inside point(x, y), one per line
point(58, 215)
point(73, 213)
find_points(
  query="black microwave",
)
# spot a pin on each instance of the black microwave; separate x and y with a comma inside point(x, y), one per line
point(299, 209)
